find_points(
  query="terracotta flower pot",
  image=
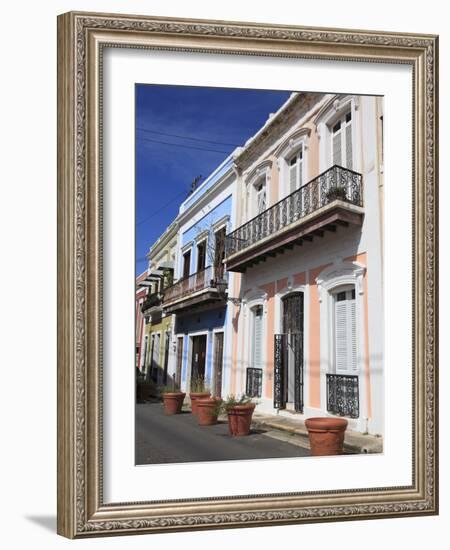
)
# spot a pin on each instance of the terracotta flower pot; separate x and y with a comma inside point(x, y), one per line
point(173, 402)
point(207, 411)
point(195, 396)
point(240, 419)
point(326, 435)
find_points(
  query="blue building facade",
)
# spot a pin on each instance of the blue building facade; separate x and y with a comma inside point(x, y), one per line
point(198, 297)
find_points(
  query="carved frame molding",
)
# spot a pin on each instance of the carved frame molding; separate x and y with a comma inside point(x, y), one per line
point(81, 37)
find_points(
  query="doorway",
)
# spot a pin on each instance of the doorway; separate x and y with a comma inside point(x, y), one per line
point(179, 361)
point(288, 387)
point(186, 264)
point(166, 357)
point(218, 363)
point(198, 357)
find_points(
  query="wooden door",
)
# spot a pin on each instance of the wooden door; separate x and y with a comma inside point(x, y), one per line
point(218, 363)
point(219, 252)
point(186, 264)
point(198, 356)
point(179, 360)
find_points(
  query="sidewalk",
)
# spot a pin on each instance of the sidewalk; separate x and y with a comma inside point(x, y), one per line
point(355, 442)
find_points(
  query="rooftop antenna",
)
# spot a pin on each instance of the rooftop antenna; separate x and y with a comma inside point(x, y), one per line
point(194, 184)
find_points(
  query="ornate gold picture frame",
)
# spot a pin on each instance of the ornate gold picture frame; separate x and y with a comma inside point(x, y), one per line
point(82, 39)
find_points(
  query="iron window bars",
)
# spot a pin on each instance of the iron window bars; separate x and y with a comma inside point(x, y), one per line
point(253, 386)
point(343, 395)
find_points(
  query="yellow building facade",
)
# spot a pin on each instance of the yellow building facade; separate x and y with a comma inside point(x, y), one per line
point(158, 335)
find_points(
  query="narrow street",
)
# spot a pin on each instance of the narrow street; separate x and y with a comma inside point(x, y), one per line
point(172, 439)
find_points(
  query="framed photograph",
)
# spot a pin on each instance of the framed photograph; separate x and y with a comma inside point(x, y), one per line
point(247, 288)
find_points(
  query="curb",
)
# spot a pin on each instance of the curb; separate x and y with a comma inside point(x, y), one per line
point(354, 442)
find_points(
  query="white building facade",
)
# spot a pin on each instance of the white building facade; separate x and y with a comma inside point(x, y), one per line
point(307, 328)
point(197, 301)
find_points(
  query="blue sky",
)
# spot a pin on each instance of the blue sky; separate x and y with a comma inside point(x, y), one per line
point(215, 119)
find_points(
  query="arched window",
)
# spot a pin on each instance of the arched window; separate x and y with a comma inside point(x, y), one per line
point(344, 325)
point(342, 334)
point(257, 337)
point(260, 202)
point(255, 366)
point(257, 194)
point(292, 161)
point(337, 126)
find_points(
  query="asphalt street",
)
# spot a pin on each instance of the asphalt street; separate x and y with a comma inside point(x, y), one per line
point(173, 439)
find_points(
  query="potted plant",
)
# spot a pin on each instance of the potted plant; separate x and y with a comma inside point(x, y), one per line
point(326, 435)
point(172, 398)
point(199, 390)
point(145, 388)
point(337, 192)
point(239, 412)
point(208, 410)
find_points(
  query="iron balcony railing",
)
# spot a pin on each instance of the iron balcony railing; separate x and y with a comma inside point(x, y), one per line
point(209, 277)
point(336, 183)
point(152, 300)
point(343, 395)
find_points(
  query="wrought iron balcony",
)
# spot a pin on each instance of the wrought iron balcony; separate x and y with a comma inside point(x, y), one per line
point(333, 197)
point(343, 395)
point(152, 301)
point(200, 288)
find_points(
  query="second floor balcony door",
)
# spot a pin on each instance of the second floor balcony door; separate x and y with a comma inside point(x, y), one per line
point(186, 270)
point(342, 142)
point(219, 253)
point(186, 264)
point(295, 171)
point(260, 197)
point(260, 206)
point(201, 262)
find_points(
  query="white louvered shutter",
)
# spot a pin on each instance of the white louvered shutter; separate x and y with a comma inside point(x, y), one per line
point(345, 334)
point(342, 144)
point(337, 148)
point(348, 146)
point(341, 343)
point(261, 198)
point(293, 175)
point(300, 170)
point(353, 355)
point(257, 341)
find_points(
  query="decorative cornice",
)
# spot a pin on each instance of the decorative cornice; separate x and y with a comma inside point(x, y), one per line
point(341, 272)
point(163, 243)
point(202, 235)
point(263, 168)
point(334, 105)
point(208, 196)
point(220, 222)
point(295, 137)
point(276, 127)
point(187, 246)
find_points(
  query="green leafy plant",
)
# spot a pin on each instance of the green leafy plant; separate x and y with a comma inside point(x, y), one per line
point(167, 277)
point(198, 385)
point(336, 193)
point(171, 387)
point(231, 401)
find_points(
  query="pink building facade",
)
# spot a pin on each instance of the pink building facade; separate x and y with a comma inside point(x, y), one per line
point(141, 293)
point(306, 323)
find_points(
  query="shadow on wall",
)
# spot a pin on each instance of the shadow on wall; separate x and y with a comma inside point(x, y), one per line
point(149, 387)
